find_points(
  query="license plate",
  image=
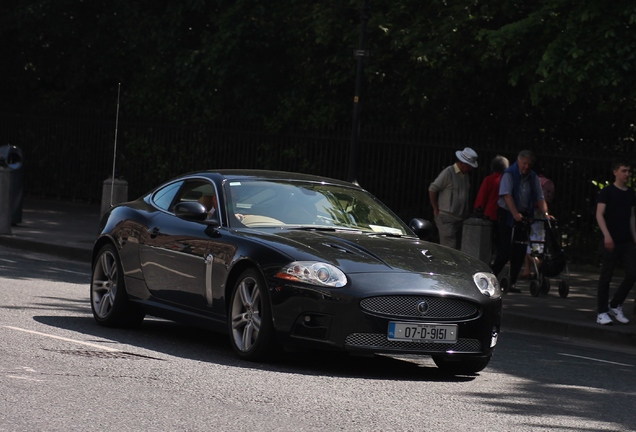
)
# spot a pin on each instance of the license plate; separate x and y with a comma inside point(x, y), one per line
point(415, 332)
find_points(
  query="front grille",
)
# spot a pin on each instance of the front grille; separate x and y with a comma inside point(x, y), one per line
point(407, 307)
point(380, 342)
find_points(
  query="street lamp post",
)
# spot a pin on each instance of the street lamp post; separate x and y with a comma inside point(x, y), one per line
point(360, 54)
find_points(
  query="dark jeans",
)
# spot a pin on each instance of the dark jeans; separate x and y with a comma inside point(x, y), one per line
point(509, 248)
point(626, 253)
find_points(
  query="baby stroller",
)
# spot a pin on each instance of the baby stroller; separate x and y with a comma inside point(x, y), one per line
point(551, 257)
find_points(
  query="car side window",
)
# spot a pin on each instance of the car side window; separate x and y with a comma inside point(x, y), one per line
point(164, 196)
point(197, 190)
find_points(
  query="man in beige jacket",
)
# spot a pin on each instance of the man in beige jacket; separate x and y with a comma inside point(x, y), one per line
point(449, 195)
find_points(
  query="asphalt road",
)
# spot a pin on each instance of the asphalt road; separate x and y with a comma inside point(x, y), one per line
point(60, 371)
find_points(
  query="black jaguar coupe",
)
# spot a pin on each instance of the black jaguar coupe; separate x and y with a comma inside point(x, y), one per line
point(278, 259)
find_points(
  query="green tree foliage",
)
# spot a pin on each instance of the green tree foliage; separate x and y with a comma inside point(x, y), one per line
point(575, 59)
point(546, 67)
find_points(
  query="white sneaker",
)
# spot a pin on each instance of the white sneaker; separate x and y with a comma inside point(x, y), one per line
point(604, 319)
point(618, 314)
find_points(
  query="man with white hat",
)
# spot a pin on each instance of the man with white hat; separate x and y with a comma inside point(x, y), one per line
point(449, 197)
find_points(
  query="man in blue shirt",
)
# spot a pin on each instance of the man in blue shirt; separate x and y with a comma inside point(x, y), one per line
point(519, 192)
point(615, 217)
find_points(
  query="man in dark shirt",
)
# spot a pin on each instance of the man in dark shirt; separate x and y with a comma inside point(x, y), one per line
point(615, 217)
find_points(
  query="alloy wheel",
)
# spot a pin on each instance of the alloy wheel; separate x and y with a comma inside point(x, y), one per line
point(104, 284)
point(246, 314)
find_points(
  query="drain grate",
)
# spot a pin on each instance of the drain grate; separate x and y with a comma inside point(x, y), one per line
point(105, 354)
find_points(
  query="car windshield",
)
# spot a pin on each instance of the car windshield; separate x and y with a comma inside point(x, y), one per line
point(296, 204)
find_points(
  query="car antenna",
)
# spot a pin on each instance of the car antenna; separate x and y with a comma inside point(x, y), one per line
point(112, 177)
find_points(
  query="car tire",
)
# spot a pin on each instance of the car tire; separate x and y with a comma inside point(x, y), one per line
point(109, 299)
point(468, 365)
point(250, 318)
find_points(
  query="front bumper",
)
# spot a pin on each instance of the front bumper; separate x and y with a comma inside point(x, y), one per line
point(345, 320)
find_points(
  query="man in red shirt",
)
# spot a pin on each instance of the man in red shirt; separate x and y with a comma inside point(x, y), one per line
point(489, 190)
point(489, 193)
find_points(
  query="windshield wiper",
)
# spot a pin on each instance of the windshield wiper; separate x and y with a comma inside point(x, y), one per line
point(386, 234)
point(321, 228)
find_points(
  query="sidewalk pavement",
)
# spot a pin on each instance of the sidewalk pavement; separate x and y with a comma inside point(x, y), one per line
point(69, 229)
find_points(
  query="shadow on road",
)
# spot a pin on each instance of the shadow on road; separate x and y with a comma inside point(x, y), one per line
point(157, 339)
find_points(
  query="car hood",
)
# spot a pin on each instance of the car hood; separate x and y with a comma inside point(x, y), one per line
point(355, 252)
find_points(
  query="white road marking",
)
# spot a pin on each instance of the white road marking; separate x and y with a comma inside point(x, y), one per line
point(24, 378)
point(9, 261)
point(593, 359)
point(69, 271)
point(105, 348)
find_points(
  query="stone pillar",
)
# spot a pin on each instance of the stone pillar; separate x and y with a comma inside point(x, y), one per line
point(476, 239)
point(119, 189)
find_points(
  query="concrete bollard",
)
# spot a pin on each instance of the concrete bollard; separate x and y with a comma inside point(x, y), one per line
point(476, 239)
point(5, 200)
point(119, 194)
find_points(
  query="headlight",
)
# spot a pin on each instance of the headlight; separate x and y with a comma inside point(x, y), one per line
point(487, 284)
point(315, 273)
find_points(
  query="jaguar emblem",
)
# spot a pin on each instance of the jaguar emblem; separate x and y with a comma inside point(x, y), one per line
point(422, 307)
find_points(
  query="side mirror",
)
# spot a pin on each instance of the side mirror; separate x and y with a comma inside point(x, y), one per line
point(193, 211)
point(422, 228)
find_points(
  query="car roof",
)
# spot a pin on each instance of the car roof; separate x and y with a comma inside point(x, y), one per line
point(245, 174)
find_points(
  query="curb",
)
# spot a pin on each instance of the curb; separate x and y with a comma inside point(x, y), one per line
point(62, 251)
point(616, 333)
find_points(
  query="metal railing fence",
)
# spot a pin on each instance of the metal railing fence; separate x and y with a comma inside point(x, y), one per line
point(69, 159)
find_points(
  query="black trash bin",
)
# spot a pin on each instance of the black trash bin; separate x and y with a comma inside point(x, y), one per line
point(11, 157)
